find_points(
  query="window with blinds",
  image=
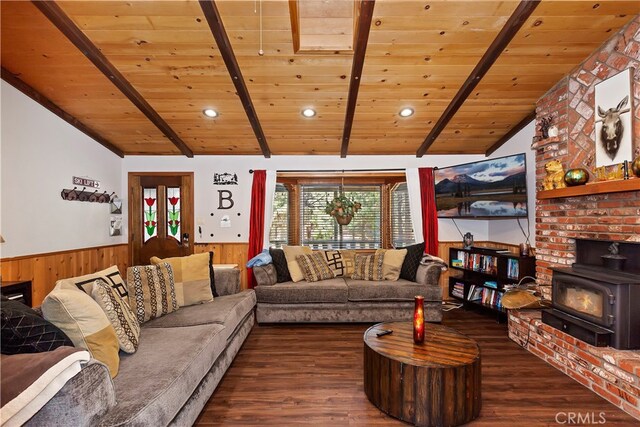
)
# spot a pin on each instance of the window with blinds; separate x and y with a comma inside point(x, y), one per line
point(401, 225)
point(279, 233)
point(319, 230)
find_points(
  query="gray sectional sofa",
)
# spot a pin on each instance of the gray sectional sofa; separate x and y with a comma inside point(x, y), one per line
point(345, 299)
point(180, 361)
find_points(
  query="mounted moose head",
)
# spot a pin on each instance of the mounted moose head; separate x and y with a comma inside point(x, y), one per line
point(612, 129)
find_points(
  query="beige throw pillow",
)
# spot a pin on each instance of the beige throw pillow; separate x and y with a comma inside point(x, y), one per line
point(84, 322)
point(290, 253)
point(110, 275)
point(119, 314)
point(392, 263)
point(340, 261)
point(151, 291)
point(191, 278)
point(314, 267)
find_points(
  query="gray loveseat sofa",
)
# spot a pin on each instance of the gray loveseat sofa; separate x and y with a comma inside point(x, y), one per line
point(345, 299)
point(180, 361)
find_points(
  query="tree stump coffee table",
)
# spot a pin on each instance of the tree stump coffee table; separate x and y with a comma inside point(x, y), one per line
point(436, 383)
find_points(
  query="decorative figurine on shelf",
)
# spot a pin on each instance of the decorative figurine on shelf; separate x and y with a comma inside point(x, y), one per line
point(545, 123)
point(467, 240)
point(635, 167)
point(555, 175)
point(577, 176)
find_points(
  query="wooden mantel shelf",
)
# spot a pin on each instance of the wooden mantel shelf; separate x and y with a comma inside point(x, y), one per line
point(603, 187)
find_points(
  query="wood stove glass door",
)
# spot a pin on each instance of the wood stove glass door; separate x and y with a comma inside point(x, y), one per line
point(584, 298)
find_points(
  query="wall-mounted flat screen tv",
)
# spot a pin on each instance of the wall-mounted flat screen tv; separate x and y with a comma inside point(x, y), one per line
point(494, 188)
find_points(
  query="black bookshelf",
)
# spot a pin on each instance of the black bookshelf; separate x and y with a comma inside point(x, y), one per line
point(480, 276)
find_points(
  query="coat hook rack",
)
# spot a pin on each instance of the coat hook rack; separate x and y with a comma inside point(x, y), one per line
point(87, 196)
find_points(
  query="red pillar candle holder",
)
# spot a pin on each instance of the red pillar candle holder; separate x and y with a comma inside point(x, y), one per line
point(418, 320)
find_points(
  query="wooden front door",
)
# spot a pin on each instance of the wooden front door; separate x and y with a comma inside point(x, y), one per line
point(160, 215)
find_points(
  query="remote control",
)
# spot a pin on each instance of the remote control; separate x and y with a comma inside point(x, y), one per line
point(384, 332)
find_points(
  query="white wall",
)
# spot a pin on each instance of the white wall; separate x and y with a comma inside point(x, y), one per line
point(206, 196)
point(39, 154)
point(507, 230)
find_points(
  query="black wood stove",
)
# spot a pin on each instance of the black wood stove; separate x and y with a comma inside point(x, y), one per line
point(597, 300)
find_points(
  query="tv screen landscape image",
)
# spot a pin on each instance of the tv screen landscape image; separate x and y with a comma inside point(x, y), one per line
point(494, 188)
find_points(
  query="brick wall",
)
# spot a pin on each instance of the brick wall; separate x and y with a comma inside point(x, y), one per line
point(612, 374)
point(571, 102)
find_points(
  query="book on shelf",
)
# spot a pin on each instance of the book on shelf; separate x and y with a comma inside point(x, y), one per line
point(475, 293)
point(492, 297)
point(491, 284)
point(456, 263)
point(513, 268)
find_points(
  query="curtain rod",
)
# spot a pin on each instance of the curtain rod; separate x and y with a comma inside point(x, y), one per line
point(335, 170)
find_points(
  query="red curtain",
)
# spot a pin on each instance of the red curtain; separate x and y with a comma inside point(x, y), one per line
point(429, 212)
point(256, 220)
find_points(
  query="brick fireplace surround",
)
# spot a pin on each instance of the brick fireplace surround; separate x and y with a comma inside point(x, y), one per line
point(612, 374)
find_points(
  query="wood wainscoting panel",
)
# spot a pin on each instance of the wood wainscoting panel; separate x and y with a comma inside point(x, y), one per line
point(443, 252)
point(45, 269)
point(228, 253)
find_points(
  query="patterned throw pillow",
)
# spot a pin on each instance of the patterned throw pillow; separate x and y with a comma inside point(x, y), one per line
point(191, 278)
point(340, 262)
point(110, 275)
point(23, 331)
point(368, 267)
point(152, 292)
point(392, 264)
point(411, 261)
point(280, 263)
point(82, 319)
point(314, 267)
point(119, 314)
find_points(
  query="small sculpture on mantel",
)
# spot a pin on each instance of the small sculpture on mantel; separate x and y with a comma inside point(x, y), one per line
point(614, 260)
point(545, 123)
point(555, 175)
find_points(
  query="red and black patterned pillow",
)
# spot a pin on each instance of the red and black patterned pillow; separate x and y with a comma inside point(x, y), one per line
point(23, 331)
point(280, 263)
point(411, 261)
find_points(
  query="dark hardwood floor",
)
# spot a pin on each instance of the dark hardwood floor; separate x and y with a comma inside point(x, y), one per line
point(313, 375)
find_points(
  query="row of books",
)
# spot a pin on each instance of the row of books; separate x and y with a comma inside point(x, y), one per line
point(477, 262)
point(513, 268)
point(458, 290)
point(483, 295)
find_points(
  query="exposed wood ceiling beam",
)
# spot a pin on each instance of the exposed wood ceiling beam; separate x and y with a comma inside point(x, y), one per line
point(14, 81)
point(58, 18)
point(360, 49)
point(214, 20)
point(510, 29)
point(507, 136)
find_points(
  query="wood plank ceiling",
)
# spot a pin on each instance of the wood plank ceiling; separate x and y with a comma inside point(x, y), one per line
point(419, 54)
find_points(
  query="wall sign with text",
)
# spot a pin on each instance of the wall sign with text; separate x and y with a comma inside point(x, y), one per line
point(86, 182)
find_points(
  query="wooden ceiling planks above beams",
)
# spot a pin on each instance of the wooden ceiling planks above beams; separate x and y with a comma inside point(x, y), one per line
point(508, 32)
point(14, 81)
point(58, 18)
point(360, 50)
point(219, 33)
point(507, 136)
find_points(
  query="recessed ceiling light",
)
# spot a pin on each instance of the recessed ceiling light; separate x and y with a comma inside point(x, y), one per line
point(308, 112)
point(210, 112)
point(406, 112)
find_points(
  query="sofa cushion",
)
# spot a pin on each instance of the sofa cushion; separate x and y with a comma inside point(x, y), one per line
point(191, 278)
point(400, 290)
point(156, 381)
point(110, 275)
point(290, 253)
point(333, 290)
point(151, 291)
point(280, 263)
point(411, 261)
point(369, 267)
point(228, 310)
point(392, 263)
point(84, 322)
point(314, 267)
point(24, 331)
point(340, 261)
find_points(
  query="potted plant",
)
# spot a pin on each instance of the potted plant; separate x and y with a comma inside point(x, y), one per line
point(342, 209)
